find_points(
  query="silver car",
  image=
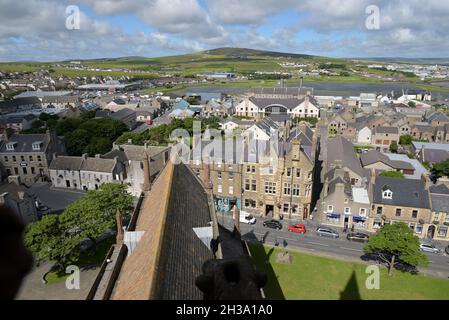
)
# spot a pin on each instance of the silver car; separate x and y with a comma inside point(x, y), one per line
point(427, 247)
point(327, 232)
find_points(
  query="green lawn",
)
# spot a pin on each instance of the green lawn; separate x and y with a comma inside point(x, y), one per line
point(311, 277)
point(89, 258)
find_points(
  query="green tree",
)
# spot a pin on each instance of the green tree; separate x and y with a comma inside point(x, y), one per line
point(394, 147)
point(393, 174)
point(395, 243)
point(441, 169)
point(412, 104)
point(405, 140)
point(50, 241)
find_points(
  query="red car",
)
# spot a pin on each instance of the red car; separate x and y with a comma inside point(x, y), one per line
point(298, 228)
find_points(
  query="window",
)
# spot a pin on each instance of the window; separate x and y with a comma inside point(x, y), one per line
point(270, 170)
point(347, 210)
point(247, 186)
point(14, 158)
point(39, 158)
point(6, 158)
point(219, 164)
point(362, 212)
point(387, 194)
point(415, 214)
point(419, 229)
point(379, 210)
point(412, 226)
point(437, 216)
point(442, 232)
point(231, 175)
point(32, 170)
point(231, 189)
point(219, 175)
point(25, 171)
point(298, 173)
point(22, 158)
point(253, 185)
point(287, 189)
point(270, 187)
point(289, 172)
point(447, 218)
point(219, 188)
point(250, 203)
point(286, 208)
point(296, 189)
point(398, 212)
point(31, 158)
point(11, 146)
point(330, 208)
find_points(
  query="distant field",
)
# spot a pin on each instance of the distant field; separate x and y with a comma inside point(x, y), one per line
point(312, 277)
point(73, 73)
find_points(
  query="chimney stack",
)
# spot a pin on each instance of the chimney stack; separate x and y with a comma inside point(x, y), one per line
point(120, 233)
point(236, 216)
point(146, 173)
point(207, 182)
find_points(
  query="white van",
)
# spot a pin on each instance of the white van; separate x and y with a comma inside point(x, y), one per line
point(247, 218)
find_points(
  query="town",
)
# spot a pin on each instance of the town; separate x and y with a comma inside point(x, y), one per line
point(183, 172)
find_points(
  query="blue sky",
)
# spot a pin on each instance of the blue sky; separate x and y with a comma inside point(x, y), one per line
point(36, 29)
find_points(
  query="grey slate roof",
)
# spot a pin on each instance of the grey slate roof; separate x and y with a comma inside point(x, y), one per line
point(184, 253)
point(374, 156)
point(288, 103)
point(389, 130)
point(66, 163)
point(435, 156)
point(341, 150)
point(406, 192)
point(98, 165)
point(25, 143)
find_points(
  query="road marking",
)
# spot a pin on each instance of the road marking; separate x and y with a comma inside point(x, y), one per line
point(358, 250)
point(318, 244)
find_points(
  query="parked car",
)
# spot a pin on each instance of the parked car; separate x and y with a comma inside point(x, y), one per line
point(447, 250)
point(357, 236)
point(273, 224)
point(297, 228)
point(428, 247)
point(247, 218)
point(327, 232)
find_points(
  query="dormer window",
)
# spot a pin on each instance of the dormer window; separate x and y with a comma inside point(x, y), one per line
point(387, 194)
point(37, 145)
point(11, 146)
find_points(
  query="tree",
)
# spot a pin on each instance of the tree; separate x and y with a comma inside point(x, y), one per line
point(394, 147)
point(393, 174)
point(405, 140)
point(441, 169)
point(396, 243)
point(50, 241)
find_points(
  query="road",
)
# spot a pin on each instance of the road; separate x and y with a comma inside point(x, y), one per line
point(438, 263)
point(56, 199)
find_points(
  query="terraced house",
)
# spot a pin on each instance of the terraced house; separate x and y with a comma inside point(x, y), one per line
point(29, 155)
point(401, 200)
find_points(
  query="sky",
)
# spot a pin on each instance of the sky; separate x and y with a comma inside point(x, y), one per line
point(47, 30)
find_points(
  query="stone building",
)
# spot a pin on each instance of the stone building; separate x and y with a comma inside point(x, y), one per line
point(84, 173)
point(29, 155)
point(19, 199)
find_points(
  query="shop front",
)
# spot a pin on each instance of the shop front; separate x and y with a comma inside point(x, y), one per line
point(226, 204)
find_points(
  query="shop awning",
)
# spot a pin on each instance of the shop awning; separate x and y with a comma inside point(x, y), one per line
point(333, 215)
point(359, 218)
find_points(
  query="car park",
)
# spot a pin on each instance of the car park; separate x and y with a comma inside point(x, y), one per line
point(272, 224)
point(327, 232)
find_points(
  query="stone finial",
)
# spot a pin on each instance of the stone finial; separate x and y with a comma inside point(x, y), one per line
point(146, 173)
point(120, 233)
point(236, 217)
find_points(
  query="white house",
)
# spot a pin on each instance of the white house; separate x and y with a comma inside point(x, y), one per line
point(364, 135)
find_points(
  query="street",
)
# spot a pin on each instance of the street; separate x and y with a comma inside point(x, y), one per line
point(341, 247)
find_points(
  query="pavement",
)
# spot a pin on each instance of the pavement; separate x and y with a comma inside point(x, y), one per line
point(312, 243)
point(33, 288)
point(55, 199)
